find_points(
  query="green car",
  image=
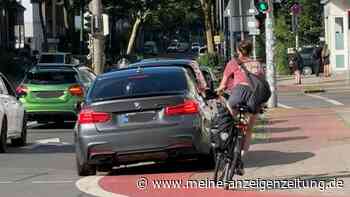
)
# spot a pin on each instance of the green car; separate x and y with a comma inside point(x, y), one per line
point(52, 92)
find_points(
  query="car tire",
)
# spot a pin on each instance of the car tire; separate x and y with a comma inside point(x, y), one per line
point(22, 141)
point(85, 169)
point(3, 137)
point(307, 70)
point(207, 160)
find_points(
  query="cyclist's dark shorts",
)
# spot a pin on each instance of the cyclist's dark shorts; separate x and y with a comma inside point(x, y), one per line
point(239, 95)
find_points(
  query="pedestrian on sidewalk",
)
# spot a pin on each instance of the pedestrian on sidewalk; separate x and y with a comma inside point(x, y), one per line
point(317, 60)
point(296, 62)
point(325, 61)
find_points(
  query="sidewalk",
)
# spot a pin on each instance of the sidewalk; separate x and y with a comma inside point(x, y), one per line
point(313, 83)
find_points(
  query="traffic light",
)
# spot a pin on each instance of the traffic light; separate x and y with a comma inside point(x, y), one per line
point(88, 19)
point(262, 6)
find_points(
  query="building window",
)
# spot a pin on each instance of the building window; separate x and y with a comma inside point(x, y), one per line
point(339, 33)
point(349, 19)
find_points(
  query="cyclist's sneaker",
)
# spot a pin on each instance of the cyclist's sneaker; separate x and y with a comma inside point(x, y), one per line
point(240, 168)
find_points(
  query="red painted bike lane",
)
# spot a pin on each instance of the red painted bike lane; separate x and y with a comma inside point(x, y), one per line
point(318, 128)
point(151, 186)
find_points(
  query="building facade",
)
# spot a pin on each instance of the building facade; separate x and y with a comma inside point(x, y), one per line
point(11, 25)
point(337, 32)
point(53, 21)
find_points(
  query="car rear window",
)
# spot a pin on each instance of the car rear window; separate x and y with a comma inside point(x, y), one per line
point(52, 59)
point(51, 77)
point(139, 85)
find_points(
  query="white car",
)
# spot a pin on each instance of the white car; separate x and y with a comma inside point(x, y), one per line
point(13, 122)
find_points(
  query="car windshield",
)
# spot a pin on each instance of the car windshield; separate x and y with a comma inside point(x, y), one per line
point(51, 77)
point(52, 59)
point(140, 85)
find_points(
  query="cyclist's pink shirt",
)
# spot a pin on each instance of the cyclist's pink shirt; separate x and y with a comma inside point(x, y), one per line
point(236, 75)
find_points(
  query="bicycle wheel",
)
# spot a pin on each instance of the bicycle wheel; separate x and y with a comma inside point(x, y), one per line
point(236, 153)
point(219, 167)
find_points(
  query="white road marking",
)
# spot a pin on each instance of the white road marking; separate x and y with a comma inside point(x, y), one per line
point(90, 185)
point(284, 106)
point(6, 182)
point(49, 140)
point(51, 182)
point(334, 102)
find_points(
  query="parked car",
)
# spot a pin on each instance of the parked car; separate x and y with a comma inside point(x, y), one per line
point(150, 48)
point(51, 93)
point(140, 114)
point(308, 66)
point(173, 47)
point(13, 122)
point(57, 58)
point(202, 51)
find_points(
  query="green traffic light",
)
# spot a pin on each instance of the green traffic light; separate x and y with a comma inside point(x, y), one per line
point(263, 6)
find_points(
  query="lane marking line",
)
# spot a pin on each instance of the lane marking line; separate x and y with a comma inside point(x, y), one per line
point(332, 101)
point(49, 140)
point(6, 182)
point(90, 185)
point(284, 106)
point(51, 182)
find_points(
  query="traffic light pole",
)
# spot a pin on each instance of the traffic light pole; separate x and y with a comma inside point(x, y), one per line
point(271, 70)
point(98, 37)
point(82, 4)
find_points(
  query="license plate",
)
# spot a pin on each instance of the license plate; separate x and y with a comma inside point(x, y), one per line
point(138, 117)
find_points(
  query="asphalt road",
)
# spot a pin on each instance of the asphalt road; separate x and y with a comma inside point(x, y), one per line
point(330, 98)
point(46, 166)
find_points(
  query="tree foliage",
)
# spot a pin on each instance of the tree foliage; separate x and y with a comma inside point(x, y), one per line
point(310, 28)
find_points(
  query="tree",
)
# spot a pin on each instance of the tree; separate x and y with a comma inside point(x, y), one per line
point(309, 29)
point(207, 11)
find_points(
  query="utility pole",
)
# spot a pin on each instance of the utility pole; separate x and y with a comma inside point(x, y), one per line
point(82, 5)
point(98, 37)
point(271, 70)
point(241, 19)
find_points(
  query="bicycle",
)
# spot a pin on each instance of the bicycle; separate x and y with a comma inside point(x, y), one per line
point(230, 134)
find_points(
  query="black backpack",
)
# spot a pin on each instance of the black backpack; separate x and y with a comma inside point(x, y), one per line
point(261, 92)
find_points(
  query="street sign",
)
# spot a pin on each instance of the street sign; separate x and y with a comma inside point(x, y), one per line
point(105, 19)
point(217, 39)
point(252, 24)
point(296, 9)
point(254, 32)
point(253, 11)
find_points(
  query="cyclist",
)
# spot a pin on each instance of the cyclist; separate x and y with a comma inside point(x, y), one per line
point(236, 84)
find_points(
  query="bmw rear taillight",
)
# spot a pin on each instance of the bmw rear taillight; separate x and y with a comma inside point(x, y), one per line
point(76, 90)
point(188, 107)
point(88, 116)
point(21, 90)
